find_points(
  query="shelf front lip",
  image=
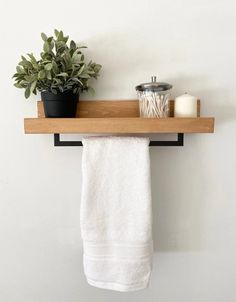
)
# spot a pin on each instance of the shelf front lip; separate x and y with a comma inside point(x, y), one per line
point(118, 125)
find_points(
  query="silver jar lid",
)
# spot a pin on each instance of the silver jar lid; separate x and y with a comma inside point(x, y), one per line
point(154, 86)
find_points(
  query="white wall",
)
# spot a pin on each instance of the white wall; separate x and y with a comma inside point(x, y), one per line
point(189, 43)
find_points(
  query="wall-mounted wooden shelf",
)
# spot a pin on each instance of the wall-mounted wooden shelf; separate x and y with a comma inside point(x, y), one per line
point(119, 125)
point(116, 117)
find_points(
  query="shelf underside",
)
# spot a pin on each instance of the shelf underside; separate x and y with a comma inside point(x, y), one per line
point(116, 117)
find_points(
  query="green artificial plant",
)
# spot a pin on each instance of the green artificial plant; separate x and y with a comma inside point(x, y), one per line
point(61, 68)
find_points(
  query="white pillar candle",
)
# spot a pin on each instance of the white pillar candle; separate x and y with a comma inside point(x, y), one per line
point(185, 106)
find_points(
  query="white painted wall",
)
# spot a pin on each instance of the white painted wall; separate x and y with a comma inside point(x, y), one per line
point(189, 43)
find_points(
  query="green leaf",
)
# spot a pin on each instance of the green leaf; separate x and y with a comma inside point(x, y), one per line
point(61, 88)
point(33, 86)
point(52, 45)
point(65, 39)
point(62, 74)
point(91, 91)
point(81, 70)
point(55, 67)
point(49, 40)
point(19, 70)
point(72, 44)
point(68, 60)
point(31, 56)
point(46, 47)
point(48, 66)
point(97, 67)
point(60, 36)
point(31, 77)
point(33, 61)
point(60, 47)
point(54, 91)
point(44, 37)
point(49, 76)
point(26, 64)
point(56, 32)
point(27, 92)
point(41, 75)
point(18, 85)
point(76, 80)
point(84, 76)
point(63, 66)
point(76, 58)
point(57, 82)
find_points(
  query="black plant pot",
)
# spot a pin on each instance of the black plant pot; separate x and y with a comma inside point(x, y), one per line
point(63, 104)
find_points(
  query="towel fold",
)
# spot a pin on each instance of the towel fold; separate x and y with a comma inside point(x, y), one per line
point(116, 217)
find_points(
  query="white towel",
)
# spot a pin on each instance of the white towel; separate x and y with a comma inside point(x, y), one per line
point(116, 216)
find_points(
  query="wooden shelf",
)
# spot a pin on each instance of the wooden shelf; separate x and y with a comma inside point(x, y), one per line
point(119, 125)
point(115, 117)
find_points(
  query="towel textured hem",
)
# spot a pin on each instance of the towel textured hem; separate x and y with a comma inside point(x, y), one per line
point(118, 286)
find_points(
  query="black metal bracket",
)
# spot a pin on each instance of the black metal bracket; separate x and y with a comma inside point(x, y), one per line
point(179, 142)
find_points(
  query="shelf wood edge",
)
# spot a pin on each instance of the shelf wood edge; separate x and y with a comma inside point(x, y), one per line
point(118, 125)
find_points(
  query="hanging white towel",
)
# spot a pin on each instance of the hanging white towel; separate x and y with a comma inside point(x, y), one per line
point(116, 216)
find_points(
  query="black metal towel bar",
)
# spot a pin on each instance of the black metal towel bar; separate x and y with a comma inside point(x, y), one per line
point(179, 142)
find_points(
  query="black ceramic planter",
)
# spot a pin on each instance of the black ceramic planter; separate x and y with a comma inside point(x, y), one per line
point(63, 104)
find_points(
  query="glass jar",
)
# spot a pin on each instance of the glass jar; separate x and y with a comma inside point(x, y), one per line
point(154, 98)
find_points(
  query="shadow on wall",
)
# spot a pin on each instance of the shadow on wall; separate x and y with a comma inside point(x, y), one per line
point(180, 182)
point(178, 186)
point(211, 99)
point(127, 64)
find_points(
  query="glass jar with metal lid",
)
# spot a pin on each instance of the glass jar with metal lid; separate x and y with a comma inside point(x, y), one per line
point(154, 98)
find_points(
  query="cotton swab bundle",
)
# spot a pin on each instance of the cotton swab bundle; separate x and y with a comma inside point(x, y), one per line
point(153, 104)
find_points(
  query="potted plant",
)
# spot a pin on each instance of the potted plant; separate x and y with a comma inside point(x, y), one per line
point(60, 75)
